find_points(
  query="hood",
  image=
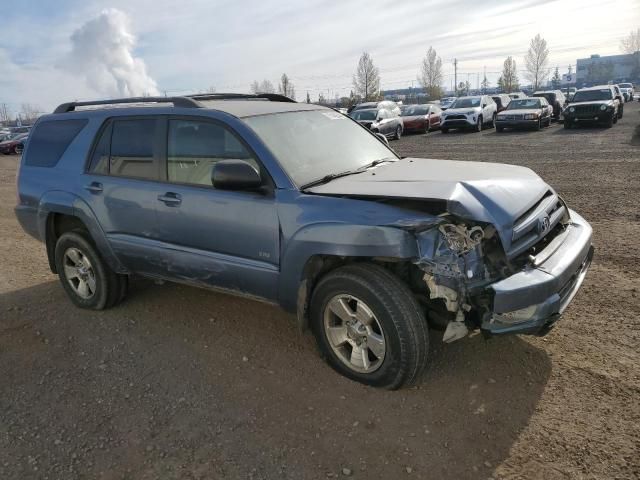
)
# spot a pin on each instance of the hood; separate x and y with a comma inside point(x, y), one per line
point(485, 192)
point(411, 118)
point(593, 102)
point(520, 111)
point(466, 110)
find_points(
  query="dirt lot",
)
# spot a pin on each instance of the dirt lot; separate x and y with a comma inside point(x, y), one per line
point(184, 383)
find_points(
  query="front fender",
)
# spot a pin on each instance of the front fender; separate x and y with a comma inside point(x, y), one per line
point(338, 240)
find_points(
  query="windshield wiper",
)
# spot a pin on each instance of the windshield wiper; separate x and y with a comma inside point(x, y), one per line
point(333, 176)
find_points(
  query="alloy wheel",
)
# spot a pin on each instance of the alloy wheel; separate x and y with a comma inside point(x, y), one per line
point(79, 273)
point(354, 333)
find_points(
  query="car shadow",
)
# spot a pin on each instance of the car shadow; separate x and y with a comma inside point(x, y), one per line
point(177, 374)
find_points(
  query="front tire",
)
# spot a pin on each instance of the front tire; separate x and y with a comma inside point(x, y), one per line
point(620, 111)
point(86, 278)
point(369, 327)
point(444, 129)
point(479, 124)
point(398, 133)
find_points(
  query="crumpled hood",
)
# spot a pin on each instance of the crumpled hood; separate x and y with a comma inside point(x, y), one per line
point(486, 192)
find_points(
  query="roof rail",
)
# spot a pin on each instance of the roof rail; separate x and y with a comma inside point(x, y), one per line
point(272, 97)
point(185, 102)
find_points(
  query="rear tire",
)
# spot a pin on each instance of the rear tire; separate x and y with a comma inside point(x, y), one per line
point(396, 352)
point(87, 279)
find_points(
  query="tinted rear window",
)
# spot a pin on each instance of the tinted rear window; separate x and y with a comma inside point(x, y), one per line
point(50, 140)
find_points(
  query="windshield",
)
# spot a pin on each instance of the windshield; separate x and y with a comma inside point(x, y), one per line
point(364, 114)
point(312, 144)
point(551, 97)
point(626, 85)
point(466, 102)
point(523, 104)
point(410, 110)
point(592, 95)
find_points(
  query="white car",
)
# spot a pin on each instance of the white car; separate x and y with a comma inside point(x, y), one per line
point(473, 112)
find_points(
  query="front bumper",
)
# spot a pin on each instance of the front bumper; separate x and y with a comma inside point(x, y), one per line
point(516, 123)
point(547, 287)
point(469, 122)
point(599, 117)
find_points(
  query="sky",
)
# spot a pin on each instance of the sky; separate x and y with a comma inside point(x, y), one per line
point(52, 52)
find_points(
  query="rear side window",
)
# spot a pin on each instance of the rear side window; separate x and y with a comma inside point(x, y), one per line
point(127, 148)
point(50, 140)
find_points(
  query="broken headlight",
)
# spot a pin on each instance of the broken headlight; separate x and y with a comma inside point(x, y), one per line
point(460, 238)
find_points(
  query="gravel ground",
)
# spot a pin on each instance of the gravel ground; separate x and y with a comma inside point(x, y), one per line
point(183, 383)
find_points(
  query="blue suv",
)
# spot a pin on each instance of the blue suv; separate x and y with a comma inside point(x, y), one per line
point(298, 205)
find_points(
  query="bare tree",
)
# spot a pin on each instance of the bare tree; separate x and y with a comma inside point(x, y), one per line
point(286, 88)
point(366, 81)
point(262, 87)
point(537, 61)
point(509, 79)
point(430, 76)
point(30, 112)
point(631, 43)
point(484, 84)
point(4, 113)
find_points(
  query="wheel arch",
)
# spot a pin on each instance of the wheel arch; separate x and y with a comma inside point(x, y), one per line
point(59, 212)
point(316, 250)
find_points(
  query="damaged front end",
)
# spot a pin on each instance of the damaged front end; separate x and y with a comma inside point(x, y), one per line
point(472, 284)
point(453, 258)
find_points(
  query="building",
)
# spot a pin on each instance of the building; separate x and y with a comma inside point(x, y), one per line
point(407, 95)
point(611, 68)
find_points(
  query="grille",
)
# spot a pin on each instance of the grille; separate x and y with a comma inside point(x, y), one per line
point(536, 223)
point(511, 117)
point(587, 109)
point(455, 117)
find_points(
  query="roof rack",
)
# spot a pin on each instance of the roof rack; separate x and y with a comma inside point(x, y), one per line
point(272, 97)
point(185, 102)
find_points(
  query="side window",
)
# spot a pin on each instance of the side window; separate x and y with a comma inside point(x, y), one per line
point(195, 146)
point(50, 140)
point(133, 149)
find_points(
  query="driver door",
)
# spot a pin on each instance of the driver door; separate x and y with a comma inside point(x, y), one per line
point(219, 238)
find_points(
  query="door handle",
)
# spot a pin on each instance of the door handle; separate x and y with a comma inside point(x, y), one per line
point(94, 187)
point(170, 199)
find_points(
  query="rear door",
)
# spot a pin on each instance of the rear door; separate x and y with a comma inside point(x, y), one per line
point(218, 238)
point(122, 185)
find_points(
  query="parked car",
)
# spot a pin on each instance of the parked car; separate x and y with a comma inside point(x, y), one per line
point(15, 144)
point(556, 99)
point(628, 87)
point(514, 95)
point(593, 105)
point(472, 112)
point(383, 121)
point(525, 113)
point(502, 101)
point(446, 102)
point(297, 205)
point(569, 92)
point(420, 118)
point(618, 94)
point(385, 104)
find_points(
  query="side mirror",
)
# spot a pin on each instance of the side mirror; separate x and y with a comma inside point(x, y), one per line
point(382, 138)
point(235, 175)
